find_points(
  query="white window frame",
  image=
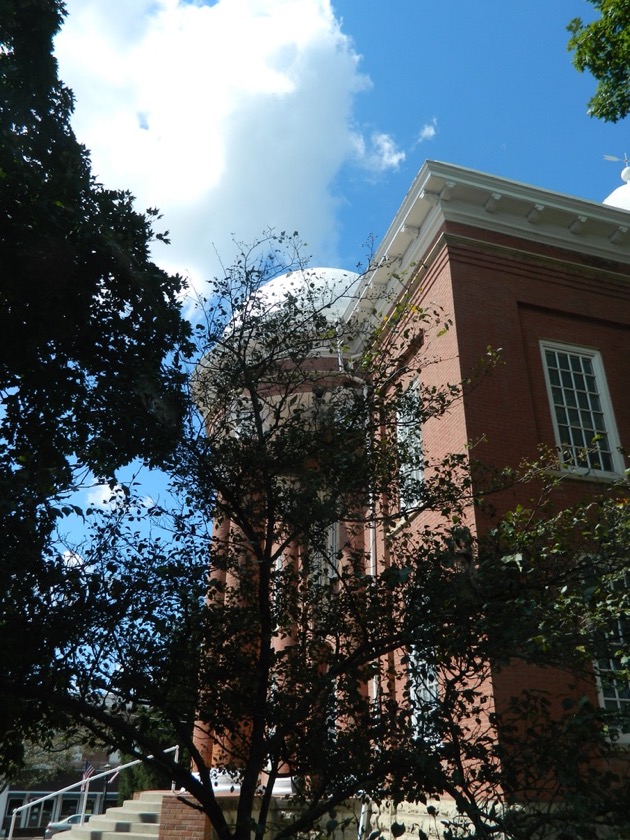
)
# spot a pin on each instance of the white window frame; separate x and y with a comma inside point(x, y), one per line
point(569, 451)
point(239, 420)
point(614, 692)
point(410, 434)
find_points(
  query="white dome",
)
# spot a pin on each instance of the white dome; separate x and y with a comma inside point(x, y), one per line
point(620, 197)
point(330, 290)
point(326, 291)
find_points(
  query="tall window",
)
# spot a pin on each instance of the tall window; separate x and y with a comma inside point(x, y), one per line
point(614, 688)
point(325, 556)
point(423, 694)
point(582, 416)
point(410, 448)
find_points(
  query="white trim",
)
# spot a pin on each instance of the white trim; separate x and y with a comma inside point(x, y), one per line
point(606, 409)
point(443, 193)
point(424, 693)
point(617, 703)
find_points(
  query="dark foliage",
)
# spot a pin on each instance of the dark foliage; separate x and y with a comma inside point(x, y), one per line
point(355, 674)
point(87, 322)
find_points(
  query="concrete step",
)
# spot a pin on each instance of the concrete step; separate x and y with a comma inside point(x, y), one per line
point(96, 834)
point(138, 806)
point(150, 796)
point(135, 819)
point(127, 812)
point(120, 824)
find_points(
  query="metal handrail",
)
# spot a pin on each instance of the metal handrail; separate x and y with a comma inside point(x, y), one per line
point(84, 784)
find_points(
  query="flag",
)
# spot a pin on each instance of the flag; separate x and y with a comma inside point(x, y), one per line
point(88, 770)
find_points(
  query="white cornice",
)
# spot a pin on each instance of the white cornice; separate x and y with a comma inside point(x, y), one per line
point(442, 193)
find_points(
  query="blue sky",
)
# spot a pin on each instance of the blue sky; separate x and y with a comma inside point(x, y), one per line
point(314, 115)
point(497, 78)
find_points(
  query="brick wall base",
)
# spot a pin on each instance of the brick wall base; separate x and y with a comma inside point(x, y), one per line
point(181, 821)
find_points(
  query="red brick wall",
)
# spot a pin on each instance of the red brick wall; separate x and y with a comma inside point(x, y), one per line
point(511, 299)
point(180, 821)
point(511, 294)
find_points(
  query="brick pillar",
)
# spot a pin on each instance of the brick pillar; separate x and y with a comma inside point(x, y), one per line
point(180, 821)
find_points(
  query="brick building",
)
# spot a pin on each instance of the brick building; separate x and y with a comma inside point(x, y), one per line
point(540, 276)
point(544, 279)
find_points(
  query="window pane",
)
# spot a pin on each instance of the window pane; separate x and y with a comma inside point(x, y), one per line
point(558, 397)
point(606, 460)
point(587, 421)
point(614, 687)
point(565, 435)
point(574, 417)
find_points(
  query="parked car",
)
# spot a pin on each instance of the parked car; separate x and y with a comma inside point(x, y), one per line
point(63, 825)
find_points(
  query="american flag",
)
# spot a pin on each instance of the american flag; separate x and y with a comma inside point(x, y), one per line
point(88, 770)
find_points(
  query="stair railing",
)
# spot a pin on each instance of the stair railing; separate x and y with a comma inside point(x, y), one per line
point(84, 784)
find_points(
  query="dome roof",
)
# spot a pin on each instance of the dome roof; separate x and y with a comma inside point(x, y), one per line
point(330, 290)
point(326, 291)
point(620, 197)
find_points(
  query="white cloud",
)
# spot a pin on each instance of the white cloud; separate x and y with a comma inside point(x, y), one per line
point(103, 495)
point(230, 118)
point(382, 153)
point(428, 131)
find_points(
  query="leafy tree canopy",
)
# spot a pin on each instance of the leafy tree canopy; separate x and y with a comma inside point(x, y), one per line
point(43, 763)
point(86, 317)
point(303, 653)
point(603, 48)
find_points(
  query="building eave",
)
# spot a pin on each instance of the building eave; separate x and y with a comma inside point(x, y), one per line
point(443, 193)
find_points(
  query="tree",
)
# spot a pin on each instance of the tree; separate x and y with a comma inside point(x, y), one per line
point(276, 644)
point(46, 764)
point(87, 319)
point(603, 48)
point(87, 322)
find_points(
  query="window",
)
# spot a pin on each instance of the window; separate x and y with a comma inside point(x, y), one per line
point(240, 419)
point(325, 557)
point(423, 694)
point(580, 408)
point(410, 449)
point(611, 669)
